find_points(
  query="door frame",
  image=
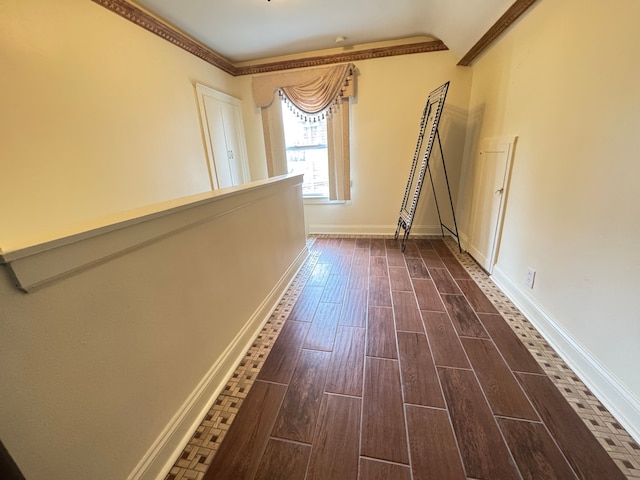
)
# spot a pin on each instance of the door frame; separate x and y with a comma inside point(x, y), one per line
point(204, 91)
point(488, 145)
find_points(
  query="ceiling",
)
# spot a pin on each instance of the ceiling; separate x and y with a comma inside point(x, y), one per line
point(251, 30)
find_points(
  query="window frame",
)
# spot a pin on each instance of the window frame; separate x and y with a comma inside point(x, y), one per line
point(290, 120)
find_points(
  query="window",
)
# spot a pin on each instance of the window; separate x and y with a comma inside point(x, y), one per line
point(313, 91)
point(307, 152)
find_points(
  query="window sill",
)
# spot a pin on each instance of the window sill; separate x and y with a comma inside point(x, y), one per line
point(320, 201)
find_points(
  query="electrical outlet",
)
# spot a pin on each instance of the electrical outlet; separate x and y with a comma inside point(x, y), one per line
point(531, 276)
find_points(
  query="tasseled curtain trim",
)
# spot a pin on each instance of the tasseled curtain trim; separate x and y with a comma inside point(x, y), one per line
point(317, 117)
point(317, 99)
point(311, 94)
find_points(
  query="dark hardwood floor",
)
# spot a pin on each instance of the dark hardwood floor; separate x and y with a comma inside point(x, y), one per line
point(396, 366)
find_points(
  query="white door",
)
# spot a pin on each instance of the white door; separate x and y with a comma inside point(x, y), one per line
point(489, 194)
point(221, 120)
point(217, 139)
point(233, 136)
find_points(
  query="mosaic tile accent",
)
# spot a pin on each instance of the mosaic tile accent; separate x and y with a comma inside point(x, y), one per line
point(197, 455)
point(611, 435)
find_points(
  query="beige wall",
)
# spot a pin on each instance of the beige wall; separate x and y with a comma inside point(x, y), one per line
point(97, 365)
point(385, 119)
point(98, 116)
point(385, 123)
point(565, 81)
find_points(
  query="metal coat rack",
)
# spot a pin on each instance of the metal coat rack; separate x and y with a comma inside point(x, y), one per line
point(429, 122)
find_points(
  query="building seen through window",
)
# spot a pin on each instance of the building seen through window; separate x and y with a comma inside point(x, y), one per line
point(306, 147)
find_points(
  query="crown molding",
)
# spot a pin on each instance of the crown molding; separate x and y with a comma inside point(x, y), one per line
point(147, 21)
point(142, 18)
point(511, 15)
point(318, 60)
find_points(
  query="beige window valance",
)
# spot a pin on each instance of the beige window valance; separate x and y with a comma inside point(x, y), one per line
point(313, 92)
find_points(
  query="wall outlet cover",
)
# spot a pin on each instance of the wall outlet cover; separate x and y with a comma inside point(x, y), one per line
point(531, 276)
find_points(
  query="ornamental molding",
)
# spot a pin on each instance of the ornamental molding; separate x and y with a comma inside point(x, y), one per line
point(147, 21)
point(510, 16)
point(144, 19)
point(347, 57)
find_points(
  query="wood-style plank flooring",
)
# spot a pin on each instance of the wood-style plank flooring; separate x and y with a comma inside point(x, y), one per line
point(396, 366)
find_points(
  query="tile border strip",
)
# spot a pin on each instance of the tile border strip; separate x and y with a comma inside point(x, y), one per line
point(620, 446)
point(200, 450)
point(205, 442)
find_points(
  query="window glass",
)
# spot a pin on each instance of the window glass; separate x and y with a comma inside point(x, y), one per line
point(306, 146)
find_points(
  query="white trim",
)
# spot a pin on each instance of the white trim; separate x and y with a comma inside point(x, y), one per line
point(622, 404)
point(159, 459)
point(312, 200)
point(464, 241)
point(204, 91)
point(38, 264)
point(372, 229)
point(496, 145)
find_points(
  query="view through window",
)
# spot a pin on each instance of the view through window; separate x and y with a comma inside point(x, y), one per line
point(306, 146)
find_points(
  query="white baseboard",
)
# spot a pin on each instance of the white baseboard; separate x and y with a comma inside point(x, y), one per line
point(159, 459)
point(464, 241)
point(622, 404)
point(372, 229)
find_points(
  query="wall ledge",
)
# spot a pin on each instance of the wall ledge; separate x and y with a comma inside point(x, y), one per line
point(622, 404)
point(40, 263)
